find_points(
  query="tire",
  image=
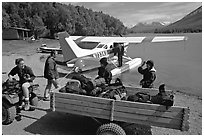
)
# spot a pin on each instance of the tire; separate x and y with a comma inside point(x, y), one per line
point(136, 129)
point(110, 129)
point(8, 113)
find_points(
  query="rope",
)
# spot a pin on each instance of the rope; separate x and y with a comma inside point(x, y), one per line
point(114, 63)
point(53, 90)
point(66, 75)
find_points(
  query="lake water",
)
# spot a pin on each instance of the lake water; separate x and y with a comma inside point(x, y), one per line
point(178, 64)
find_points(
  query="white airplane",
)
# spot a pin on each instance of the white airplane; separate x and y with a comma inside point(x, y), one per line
point(88, 59)
point(107, 42)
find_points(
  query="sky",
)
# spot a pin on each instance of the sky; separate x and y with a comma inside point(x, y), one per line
point(131, 13)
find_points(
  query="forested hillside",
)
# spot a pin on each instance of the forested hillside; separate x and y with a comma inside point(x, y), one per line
point(43, 17)
point(191, 23)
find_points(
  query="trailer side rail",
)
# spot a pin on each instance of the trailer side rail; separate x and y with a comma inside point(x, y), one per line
point(124, 111)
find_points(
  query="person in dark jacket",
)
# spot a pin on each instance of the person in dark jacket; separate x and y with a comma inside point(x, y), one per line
point(119, 50)
point(148, 73)
point(104, 71)
point(51, 74)
point(26, 77)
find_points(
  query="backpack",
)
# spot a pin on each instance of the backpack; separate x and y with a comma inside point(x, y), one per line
point(140, 97)
point(86, 83)
point(11, 87)
point(72, 86)
point(114, 91)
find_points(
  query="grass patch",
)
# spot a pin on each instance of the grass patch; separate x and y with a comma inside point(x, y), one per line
point(19, 46)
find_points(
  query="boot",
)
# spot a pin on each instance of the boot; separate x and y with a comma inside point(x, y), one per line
point(27, 105)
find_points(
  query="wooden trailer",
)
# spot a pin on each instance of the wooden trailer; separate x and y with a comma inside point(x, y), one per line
point(119, 112)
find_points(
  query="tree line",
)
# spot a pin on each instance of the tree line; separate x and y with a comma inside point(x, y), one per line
point(52, 17)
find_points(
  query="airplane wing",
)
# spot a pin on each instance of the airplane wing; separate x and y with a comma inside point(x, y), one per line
point(118, 40)
point(113, 39)
point(169, 38)
point(129, 39)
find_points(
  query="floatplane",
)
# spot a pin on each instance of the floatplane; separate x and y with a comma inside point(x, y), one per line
point(88, 59)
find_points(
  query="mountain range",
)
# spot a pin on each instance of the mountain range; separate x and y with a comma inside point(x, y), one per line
point(189, 23)
point(146, 27)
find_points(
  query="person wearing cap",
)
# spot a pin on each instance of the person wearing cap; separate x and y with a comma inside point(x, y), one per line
point(104, 71)
point(26, 77)
point(149, 74)
point(51, 74)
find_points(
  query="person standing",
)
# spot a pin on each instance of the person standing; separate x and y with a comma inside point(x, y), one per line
point(51, 74)
point(149, 74)
point(26, 77)
point(119, 50)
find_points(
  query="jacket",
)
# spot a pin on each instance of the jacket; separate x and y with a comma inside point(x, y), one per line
point(149, 76)
point(119, 50)
point(105, 73)
point(25, 74)
point(50, 69)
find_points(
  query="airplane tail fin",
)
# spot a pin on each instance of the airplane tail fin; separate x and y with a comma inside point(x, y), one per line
point(70, 49)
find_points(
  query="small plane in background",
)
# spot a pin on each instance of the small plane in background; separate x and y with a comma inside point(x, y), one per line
point(88, 59)
point(44, 49)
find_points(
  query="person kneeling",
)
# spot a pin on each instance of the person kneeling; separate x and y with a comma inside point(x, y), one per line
point(26, 77)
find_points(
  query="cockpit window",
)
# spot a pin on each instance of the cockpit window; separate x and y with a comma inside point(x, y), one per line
point(100, 45)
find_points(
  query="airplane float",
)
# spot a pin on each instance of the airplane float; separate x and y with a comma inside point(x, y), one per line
point(88, 59)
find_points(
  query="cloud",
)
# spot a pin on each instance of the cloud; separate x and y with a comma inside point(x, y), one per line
point(104, 4)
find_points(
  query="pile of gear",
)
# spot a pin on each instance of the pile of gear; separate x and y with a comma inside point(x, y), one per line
point(96, 88)
point(116, 90)
point(161, 98)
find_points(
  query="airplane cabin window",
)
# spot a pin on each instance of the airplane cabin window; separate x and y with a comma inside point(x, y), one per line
point(100, 46)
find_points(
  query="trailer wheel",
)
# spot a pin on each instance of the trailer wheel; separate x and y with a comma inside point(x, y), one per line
point(136, 129)
point(110, 129)
point(8, 113)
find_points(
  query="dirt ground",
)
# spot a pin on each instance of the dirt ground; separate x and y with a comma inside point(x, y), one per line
point(44, 122)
